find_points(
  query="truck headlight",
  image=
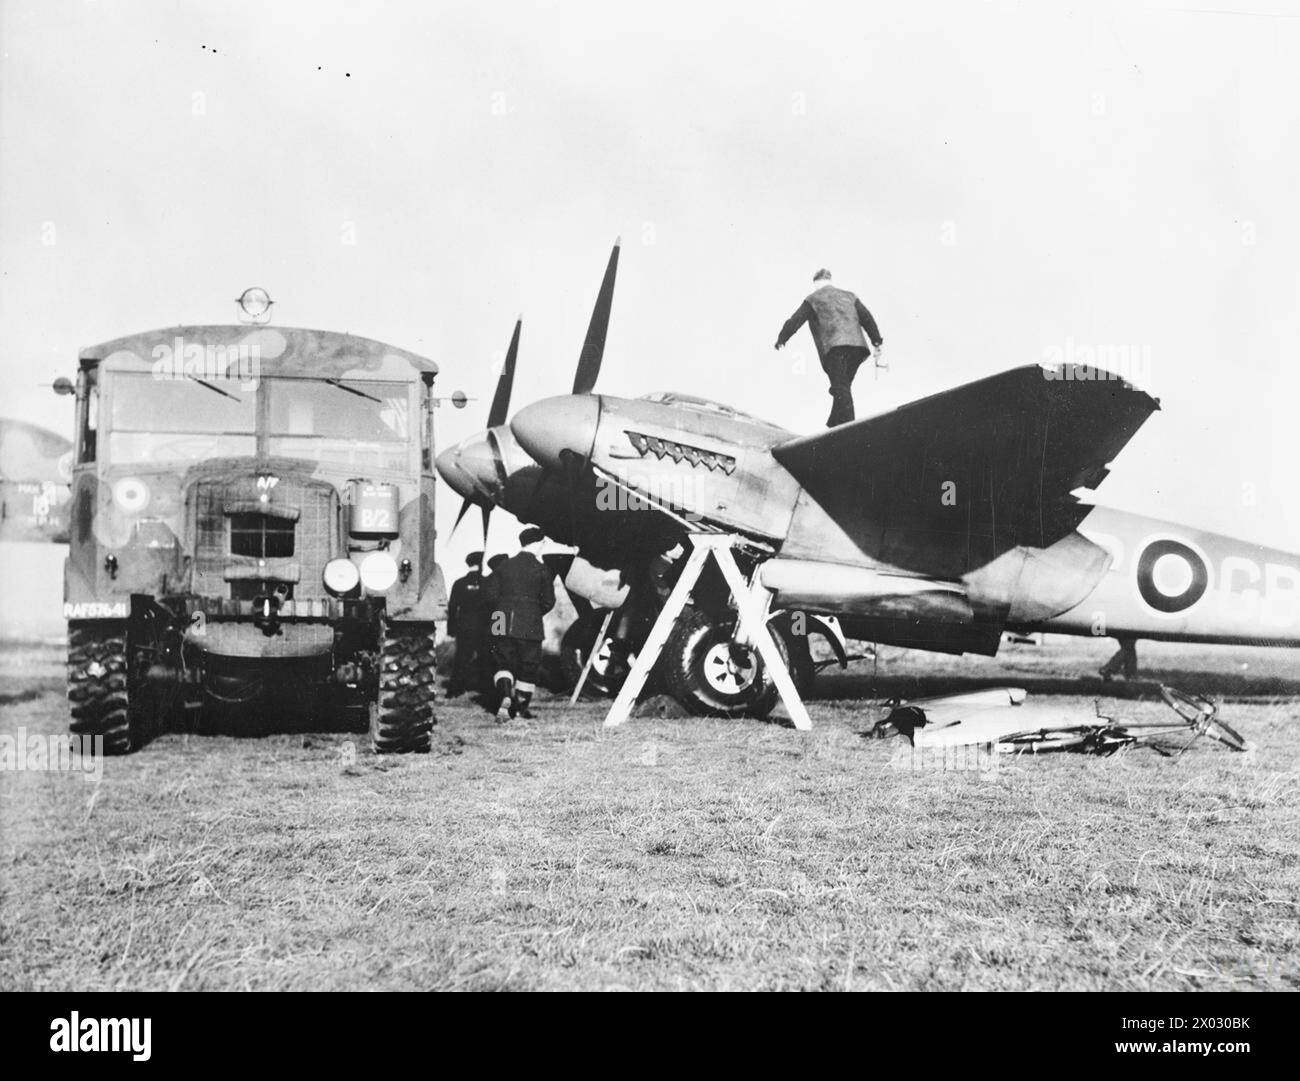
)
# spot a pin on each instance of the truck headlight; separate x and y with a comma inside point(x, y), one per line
point(378, 572)
point(341, 576)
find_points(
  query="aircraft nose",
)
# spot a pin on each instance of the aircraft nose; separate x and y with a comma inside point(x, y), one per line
point(548, 428)
point(469, 468)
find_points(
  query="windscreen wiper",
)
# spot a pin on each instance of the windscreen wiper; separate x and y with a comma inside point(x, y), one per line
point(215, 389)
point(353, 390)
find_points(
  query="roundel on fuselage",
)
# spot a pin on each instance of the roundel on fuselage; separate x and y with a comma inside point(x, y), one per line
point(1171, 577)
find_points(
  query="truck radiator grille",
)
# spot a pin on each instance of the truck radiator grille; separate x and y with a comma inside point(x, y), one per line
point(262, 536)
point(239, 541)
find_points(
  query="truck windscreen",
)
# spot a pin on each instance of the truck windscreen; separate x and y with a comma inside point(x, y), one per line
point(162, 420)
point(355, 423)
point(342, 421)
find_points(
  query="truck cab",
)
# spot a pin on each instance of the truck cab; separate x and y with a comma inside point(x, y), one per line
point(252, 520)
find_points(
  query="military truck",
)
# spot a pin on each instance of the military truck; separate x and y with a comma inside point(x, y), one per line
point(252, 535)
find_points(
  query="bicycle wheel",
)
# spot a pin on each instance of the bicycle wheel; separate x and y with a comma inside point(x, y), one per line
point(1193, 708)
point(1215, 729)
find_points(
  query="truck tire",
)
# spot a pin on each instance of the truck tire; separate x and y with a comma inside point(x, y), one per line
point(403, 717)
point(712, 677)
point(99, 691)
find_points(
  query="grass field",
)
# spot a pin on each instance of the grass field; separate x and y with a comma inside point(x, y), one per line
point(672, 853)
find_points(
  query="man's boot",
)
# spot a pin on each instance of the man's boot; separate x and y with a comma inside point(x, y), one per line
point(1124, 662)
point(505, 686)
point(841, 405)
point(523, 696)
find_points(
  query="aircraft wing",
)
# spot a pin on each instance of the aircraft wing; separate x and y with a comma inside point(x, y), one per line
point(947, 483)
point(35, 469)
point(34, 455)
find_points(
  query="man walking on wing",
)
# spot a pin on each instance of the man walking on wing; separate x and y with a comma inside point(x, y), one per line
point(837, 319)
point(522, 592)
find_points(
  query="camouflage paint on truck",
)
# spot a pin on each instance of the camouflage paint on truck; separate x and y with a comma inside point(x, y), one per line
point(218, 471)
point(134, 495)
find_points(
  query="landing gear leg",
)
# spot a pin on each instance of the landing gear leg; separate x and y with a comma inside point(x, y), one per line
point(1124, 662)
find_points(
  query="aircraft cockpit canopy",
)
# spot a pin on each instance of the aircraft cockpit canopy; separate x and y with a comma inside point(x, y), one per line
point(702, 405)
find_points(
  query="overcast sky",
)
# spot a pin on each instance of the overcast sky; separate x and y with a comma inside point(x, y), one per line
point(997, 181)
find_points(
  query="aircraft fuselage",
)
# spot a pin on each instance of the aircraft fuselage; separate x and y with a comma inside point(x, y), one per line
point(620, 477)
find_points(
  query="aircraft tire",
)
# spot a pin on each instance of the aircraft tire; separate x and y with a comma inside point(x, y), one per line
point(711, 677)
point(403, 716)
point(574, 647)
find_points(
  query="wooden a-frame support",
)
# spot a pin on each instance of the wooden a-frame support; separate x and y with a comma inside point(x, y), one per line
point(752, 604)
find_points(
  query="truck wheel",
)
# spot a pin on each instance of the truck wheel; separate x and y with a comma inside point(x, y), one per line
point(403, 718)
point(99, 691)
point(712, 676)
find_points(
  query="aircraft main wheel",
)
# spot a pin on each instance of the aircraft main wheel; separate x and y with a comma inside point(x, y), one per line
point(712, 676)
point(99, 686)
point(609, 669)
point(403, 716)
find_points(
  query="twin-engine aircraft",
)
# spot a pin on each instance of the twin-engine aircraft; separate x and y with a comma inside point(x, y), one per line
point(939, 525)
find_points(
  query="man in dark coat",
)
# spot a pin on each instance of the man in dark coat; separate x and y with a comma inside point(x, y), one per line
point(837, 319)
point(490, 583)
point(467, 623)
point(522, 592)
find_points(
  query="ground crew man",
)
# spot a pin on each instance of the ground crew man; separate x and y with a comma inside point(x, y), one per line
point(837, 319)
point(487, 665)
point(467, 623)
point(522, 592)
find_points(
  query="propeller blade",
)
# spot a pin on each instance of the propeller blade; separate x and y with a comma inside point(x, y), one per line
point(501, 400)
point(464, 509)
point(486, 508)
point(593, 349)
